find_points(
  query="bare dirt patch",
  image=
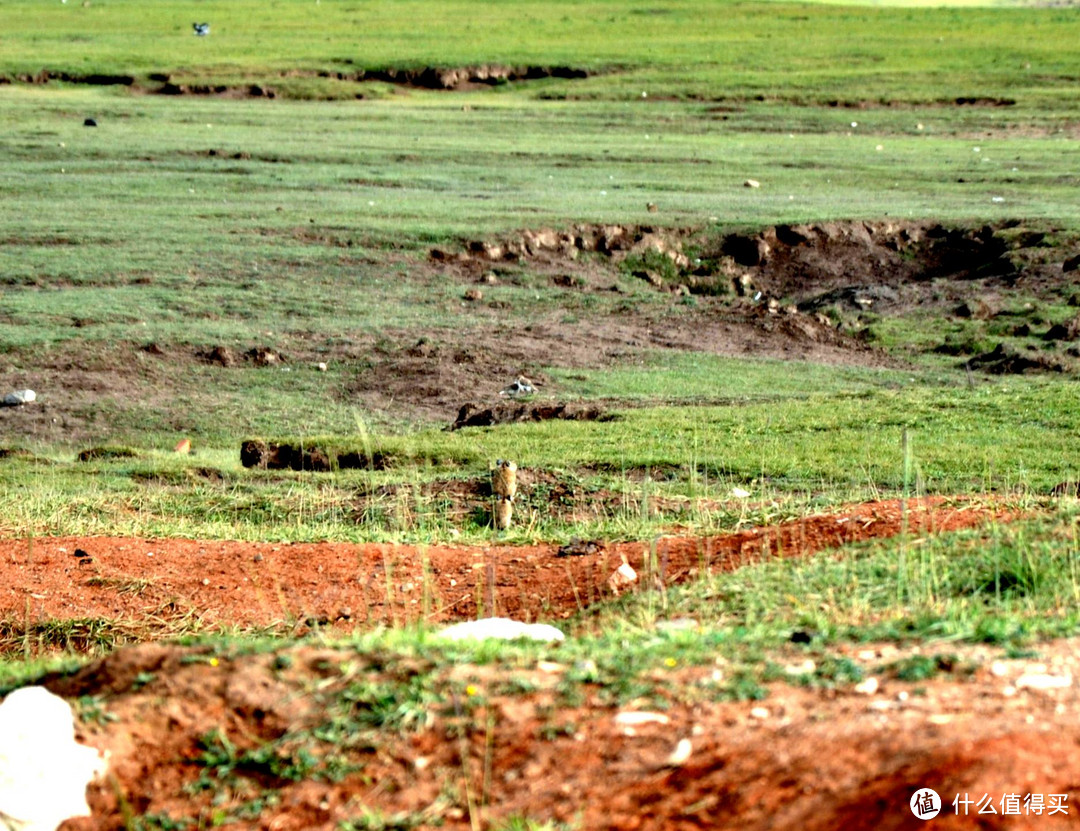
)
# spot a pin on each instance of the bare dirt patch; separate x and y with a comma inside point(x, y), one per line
point(433, 378)
point(293, 585)
point(806, 292)
point(196, 733)
point(509, 412)
point(465, 77)
point(817, 759)
point(446, 78)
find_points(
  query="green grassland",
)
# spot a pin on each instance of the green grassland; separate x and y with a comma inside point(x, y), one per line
point(304, 222)
point(682, 49)
point(190, 221)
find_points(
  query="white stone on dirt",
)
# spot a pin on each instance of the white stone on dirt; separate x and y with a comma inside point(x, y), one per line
point(43, 770)
point(681, 753)
point(1038, 681)
point(624, 575)
point(759, 713)
point(802, 668)
point(629, 719)
point(501, 628)
point(14, 399)
point(867, 687)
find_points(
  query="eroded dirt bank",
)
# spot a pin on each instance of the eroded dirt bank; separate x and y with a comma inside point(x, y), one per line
point(150, 588)
point(198, 736)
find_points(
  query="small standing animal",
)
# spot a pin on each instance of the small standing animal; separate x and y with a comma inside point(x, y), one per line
point(201, 29)
point(504, 486)
point(504, 479)
point(504, 511)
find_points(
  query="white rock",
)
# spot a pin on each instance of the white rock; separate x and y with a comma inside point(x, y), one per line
point(624, 575)
point(636, 718)
point(804, 668)
point(501, 628)
point(867, 687)
point(739, 493)
point(1044, 682)
point(751, 183)
point(999, 669)
point(759, 712)
point(681, 753)
point(43, 770)
point(13, 399)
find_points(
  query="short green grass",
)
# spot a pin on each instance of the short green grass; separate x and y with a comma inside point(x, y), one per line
point(799, 448)
point(668, 48)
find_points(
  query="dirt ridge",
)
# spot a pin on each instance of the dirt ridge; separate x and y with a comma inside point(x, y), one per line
point(156, 582)
point(445, 78)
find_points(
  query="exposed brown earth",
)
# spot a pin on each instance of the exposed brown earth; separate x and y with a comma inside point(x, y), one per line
point(154, 583)
point(808, 293)
point(804, 757)
point(456, 79)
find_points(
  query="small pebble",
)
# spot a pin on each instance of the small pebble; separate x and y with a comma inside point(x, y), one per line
point(681, 753)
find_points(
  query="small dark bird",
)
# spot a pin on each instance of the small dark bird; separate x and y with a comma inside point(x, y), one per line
point(201, 29)
point(89, 122)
